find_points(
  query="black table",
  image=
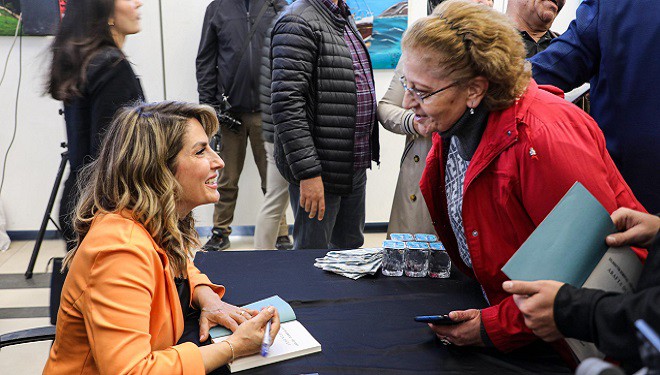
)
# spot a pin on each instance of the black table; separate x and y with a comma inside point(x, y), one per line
point(366, 326)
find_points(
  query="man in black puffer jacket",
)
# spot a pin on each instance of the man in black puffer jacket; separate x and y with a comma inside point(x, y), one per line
point(324, 111)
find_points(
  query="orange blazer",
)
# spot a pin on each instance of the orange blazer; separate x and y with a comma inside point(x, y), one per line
point(120, 311)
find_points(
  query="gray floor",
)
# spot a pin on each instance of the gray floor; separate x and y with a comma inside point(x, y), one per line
point(24, 304)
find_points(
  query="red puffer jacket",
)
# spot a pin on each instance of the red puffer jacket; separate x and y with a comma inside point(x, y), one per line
point(529, 156)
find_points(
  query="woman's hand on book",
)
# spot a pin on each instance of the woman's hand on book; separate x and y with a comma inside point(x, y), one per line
point(248, 336)
point(215, 312)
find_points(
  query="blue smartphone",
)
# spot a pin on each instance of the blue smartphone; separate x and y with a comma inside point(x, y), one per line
point(441, 320)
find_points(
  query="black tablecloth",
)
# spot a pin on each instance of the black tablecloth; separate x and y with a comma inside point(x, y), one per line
point(366, 326)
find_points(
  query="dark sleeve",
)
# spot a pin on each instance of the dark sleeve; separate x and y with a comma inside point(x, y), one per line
point(573, 58)
point(606, 319)
point(264, 90)
point(293, 51)
point(207, 60)
point(115, 88)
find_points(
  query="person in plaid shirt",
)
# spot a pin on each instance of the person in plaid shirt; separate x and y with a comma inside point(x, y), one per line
point(324, 111)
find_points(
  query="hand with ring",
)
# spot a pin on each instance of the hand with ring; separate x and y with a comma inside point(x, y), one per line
point(224, 314)
point(214, 312)
point(248, 313)
point(466, 333)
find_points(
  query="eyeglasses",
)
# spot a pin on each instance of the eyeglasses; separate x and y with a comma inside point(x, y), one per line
point(419, 96)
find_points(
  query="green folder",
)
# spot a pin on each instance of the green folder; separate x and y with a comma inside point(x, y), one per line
point(568, 244)
point(283, 308)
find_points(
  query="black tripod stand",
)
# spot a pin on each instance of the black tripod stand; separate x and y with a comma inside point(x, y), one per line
point(49, 209)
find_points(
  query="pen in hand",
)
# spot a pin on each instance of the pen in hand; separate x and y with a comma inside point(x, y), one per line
point(265, 344)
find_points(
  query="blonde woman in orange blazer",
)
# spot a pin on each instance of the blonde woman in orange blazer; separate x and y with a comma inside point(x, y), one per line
point(120, 310)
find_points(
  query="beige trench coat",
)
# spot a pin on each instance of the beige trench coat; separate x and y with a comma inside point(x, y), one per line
point(409, 212)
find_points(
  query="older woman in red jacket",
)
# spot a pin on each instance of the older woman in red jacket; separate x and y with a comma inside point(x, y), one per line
point(506, 152)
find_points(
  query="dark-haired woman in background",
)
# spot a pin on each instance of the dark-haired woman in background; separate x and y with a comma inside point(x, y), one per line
point(91, 75)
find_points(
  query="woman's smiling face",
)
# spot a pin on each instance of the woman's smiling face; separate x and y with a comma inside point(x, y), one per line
point(444, 107)
point(197, 168)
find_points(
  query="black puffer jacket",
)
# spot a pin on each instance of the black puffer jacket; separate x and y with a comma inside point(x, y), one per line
point(314, 99)
point(264, 92)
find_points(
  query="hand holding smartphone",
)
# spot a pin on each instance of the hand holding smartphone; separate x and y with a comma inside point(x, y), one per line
point(443, 320)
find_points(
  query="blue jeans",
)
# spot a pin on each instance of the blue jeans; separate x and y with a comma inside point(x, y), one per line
point(342, 226)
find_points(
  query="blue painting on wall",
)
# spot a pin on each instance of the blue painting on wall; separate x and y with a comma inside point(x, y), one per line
point(381, 24)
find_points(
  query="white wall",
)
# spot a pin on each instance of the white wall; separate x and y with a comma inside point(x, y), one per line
point(35, 155)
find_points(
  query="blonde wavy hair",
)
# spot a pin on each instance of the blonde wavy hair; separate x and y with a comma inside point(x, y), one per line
point(135, 171)
point(468, 40)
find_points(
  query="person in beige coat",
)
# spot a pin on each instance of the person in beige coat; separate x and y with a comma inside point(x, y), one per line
point(409, 213)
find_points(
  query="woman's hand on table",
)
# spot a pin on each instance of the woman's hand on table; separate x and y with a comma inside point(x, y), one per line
point(214, 312)
point(248, 336)
point(466, 333)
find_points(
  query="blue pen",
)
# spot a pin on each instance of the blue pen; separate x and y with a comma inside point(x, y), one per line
point(265, 344)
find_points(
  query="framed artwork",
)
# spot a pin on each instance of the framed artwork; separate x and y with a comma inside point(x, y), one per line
point(39, 17)
point(381, 24)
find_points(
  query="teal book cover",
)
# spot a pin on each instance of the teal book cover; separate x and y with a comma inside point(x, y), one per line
point(283, 308)
point(567, 245)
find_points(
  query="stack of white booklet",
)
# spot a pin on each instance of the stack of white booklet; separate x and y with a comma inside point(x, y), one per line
point(292, 341)
point(352, 263)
